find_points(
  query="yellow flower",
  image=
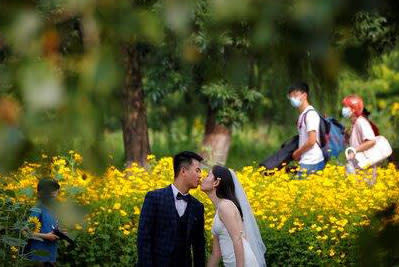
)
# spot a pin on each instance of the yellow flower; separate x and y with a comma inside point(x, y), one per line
point(78, 158)
point(332, 252)
point(123, 213)
point(36, 224)
point(136, 211)
point(333, 205)
point(395, 109)
point(345, 235)
point(150, 157)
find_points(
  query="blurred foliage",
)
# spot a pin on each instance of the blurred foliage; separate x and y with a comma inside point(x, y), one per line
point(380, 92)
point(379, 245)
point(250, 143)
point(68, 75)
point(62, 62)
point(231, 104)
point(62, 70)
point(11, 227)
point(373, 30)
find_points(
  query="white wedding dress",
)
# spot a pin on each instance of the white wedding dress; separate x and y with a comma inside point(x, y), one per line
point(226, 245)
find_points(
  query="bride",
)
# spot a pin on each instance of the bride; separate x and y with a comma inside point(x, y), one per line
point(236, 236)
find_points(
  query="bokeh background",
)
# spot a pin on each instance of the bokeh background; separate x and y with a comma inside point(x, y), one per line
point(117, 81)
point(90, 87)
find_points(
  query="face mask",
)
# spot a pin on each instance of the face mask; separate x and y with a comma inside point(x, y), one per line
point(295, 102)
point(346, 112)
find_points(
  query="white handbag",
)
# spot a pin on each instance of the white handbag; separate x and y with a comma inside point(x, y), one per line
point(380, 151)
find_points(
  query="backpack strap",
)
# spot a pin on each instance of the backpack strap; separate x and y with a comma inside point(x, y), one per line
point(304, 121)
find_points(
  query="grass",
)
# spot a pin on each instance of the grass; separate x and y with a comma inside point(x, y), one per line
point(249, 145)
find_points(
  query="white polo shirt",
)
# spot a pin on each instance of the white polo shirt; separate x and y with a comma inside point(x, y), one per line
point(314, 155)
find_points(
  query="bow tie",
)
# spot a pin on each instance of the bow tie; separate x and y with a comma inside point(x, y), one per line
point(180, 196)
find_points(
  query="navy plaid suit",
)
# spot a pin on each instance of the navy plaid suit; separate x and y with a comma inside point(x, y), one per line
point(157, 230)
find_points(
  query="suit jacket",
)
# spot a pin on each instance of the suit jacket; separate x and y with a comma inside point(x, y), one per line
point(157, 229)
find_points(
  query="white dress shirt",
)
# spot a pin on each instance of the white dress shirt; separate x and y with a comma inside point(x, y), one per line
point(180, 204)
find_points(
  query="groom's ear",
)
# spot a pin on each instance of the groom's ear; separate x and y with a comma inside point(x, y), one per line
point(182, 170)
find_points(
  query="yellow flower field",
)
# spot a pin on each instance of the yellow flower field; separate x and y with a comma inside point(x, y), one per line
point(323, 212)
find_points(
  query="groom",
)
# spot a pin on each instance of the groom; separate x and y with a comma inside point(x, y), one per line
point(172, 221)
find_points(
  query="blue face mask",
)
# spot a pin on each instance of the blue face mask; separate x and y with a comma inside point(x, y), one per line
point(346, 112)
point(295, 102)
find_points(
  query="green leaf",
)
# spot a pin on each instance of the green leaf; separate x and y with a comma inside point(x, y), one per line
point(9, 193)
point(59, 176)
point(40, 252)
point(2, 253)
point(12, 241)
point(74, 190)
point(28, 191)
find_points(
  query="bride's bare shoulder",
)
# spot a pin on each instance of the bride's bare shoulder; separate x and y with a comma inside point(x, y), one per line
point(226, 205)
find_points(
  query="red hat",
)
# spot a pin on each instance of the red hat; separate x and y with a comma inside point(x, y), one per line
point(355, 103)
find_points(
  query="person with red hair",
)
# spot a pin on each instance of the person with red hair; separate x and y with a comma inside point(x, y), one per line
point(363, 132)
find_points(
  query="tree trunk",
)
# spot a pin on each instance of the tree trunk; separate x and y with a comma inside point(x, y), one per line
point(134, 119)
point(217, 140)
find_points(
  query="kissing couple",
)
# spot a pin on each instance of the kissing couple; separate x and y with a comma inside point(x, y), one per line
point(171, 226)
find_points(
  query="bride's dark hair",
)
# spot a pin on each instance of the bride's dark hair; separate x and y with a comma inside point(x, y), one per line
point(225, 188)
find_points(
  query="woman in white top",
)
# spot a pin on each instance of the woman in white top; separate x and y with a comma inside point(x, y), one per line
point(236, 236)
point(363, 132)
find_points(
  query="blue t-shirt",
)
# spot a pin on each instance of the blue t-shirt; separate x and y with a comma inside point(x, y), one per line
point(49, 222)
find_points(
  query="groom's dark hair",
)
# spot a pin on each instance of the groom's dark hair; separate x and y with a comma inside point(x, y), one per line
point(184, 159)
